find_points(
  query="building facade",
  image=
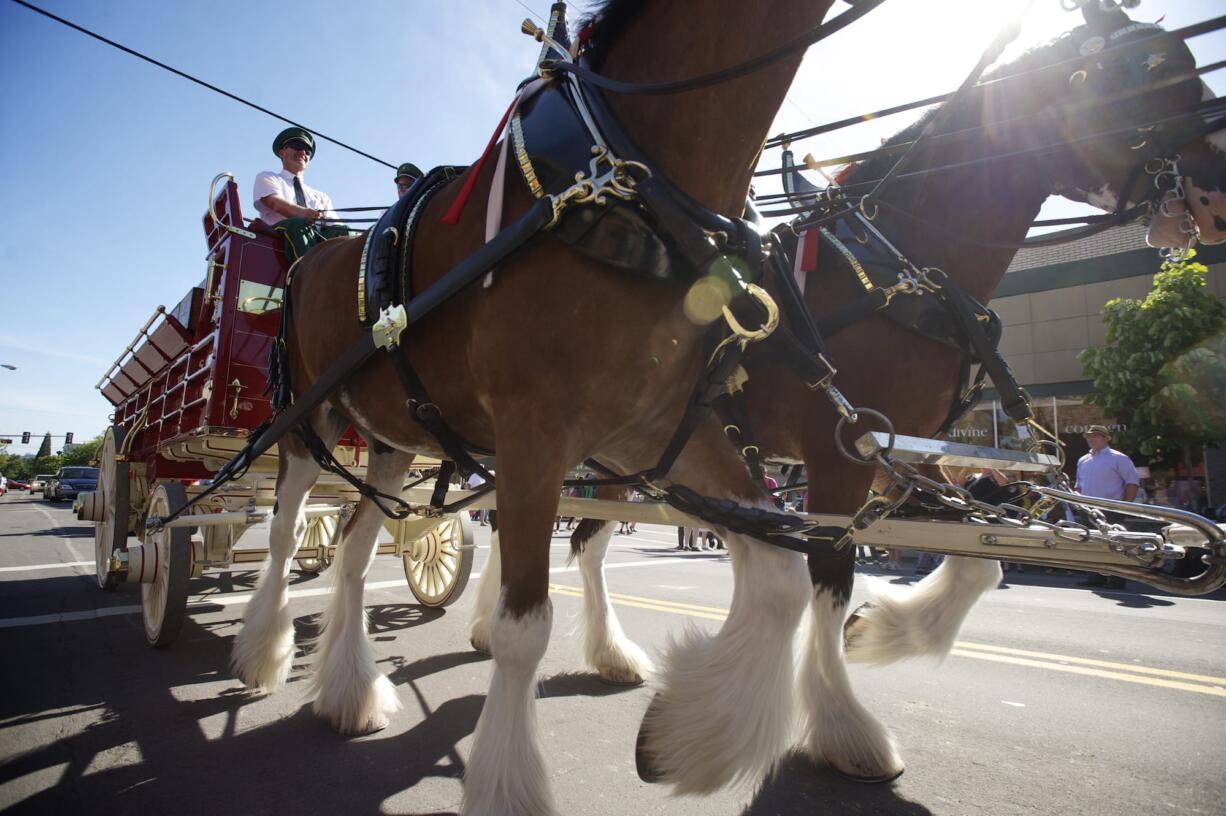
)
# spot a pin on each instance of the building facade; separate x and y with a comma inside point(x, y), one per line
point(1050, 302)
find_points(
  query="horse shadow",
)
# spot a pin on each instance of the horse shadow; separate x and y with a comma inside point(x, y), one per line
point(799, 786)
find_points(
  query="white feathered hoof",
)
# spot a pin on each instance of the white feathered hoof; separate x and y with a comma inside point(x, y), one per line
point(262, 656)
point(620, 676)
point(643, 761)
point(622, 664)
point(865, 776)
point(479, 639)
point(359, 708)
point(855, 626)
point(856, 747)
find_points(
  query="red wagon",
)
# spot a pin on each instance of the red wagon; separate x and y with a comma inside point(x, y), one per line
point(188, 391)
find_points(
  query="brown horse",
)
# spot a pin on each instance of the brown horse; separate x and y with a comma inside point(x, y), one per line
point(561, 359)
point(1031, 103)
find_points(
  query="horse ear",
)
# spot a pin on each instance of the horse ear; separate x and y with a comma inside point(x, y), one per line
point(1103, 18)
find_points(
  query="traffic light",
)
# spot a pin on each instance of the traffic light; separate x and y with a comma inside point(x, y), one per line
point(25, 437)
point(68, 438)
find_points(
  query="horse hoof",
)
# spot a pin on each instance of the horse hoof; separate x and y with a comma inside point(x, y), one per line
point(620, 677)
point(642, 761)
point(855, 619)
point(868, 780)
point(481, 647)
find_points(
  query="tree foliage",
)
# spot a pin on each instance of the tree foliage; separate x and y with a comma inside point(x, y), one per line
point(1162, 371)
point(24, 468)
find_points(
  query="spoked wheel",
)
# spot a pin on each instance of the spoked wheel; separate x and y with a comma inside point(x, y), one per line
point(111, 499)
point(438, 562)
point(163, 601)
point(320, 533)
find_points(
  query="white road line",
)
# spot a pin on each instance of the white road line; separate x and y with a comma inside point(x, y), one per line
point(67, 542)
point(239, 599)
point(56, 566)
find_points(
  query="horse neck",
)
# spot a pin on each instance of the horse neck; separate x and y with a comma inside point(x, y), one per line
point(706, 141)
point(993, 202)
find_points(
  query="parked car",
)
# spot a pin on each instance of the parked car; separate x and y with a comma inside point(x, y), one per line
point(69, 482)
point(16, 485)
point(40, 481)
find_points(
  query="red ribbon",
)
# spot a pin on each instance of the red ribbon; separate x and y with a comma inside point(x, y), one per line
point(457, 207)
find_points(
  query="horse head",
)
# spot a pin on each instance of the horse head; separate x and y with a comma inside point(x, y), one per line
point(1138, 129)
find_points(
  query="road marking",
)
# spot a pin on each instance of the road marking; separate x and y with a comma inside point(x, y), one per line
point(1088, 667)
point(201, 602)
point(55, 525)
point(676, 607)
point(1088, 672)
point(1015, 705)
point(978, 651)
point(55, 566)
point(1086, 661)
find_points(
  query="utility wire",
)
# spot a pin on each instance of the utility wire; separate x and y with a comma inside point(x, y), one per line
point(200, 82)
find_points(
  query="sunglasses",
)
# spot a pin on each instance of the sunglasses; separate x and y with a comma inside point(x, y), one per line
point(298, 145)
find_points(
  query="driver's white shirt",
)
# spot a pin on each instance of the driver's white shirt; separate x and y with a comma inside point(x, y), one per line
point(281, 184)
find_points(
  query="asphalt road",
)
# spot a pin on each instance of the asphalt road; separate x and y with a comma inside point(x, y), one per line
point(1057, 699)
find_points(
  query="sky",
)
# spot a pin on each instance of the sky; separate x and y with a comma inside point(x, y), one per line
point(106, 160)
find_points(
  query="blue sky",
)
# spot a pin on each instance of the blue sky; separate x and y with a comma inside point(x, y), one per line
point(106, 160)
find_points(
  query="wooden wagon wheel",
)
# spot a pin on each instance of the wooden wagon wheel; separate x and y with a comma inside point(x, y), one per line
point(111, 499)
point(163, 601)
point(437, 562)
point(320, 533)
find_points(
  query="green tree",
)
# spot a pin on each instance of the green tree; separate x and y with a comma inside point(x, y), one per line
point(1162, 371)
point(45, 448)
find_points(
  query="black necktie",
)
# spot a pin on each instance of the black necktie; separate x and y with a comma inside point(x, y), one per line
point(299, 193)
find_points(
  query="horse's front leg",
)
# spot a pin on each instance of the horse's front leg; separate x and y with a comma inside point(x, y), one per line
point(506, 772)
point(923, 620)
point(724, 713)
point(264, 649)
point(617, 658)
point(837, 727)
point(350, 692)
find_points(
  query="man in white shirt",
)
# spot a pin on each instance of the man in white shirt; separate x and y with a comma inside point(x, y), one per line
point(1108, 474)
point(281, 195)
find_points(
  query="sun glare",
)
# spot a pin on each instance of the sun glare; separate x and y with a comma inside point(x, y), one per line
point(910, 50)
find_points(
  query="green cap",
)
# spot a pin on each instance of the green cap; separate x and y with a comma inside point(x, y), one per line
point(1098, 429)
point(407, 169)
point(289, 135)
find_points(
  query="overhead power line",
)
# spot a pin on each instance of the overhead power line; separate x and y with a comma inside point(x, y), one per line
point(198, 81)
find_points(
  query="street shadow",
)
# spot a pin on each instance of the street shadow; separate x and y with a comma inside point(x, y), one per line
point(799, 786)
point(1132, 600)
point(671, 552)
point(54, 532)
point(157, 735)
point(579, 684)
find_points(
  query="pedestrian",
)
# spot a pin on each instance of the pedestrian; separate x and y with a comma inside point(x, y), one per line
point(1105, 473)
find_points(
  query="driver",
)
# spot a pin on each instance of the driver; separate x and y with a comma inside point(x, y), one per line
point(406, 174)
point(281, 195)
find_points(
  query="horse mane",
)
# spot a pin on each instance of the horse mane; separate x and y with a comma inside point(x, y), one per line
point(607, 19)
point(1033, 59)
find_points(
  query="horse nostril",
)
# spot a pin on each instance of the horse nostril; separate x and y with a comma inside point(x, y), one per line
point(1219, 223)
